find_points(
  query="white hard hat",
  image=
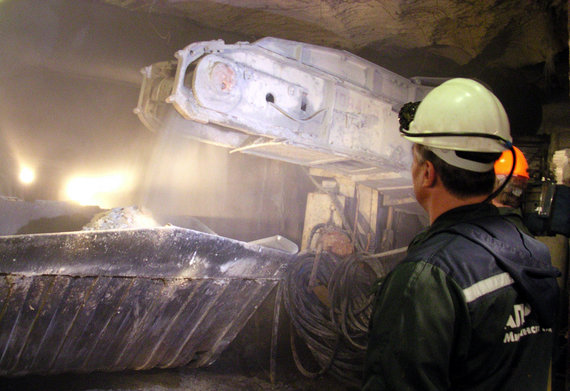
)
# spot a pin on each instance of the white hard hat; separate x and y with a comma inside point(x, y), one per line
point(461, 115)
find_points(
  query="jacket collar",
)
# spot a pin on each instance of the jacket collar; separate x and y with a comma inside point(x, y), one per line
point(453, 216)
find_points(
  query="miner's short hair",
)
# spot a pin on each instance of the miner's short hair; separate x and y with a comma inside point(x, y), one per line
point(459, 182)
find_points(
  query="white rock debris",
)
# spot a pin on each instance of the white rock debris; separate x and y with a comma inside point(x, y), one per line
point(121, 218)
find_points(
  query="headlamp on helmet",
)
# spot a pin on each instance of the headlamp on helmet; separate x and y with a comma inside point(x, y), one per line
point(460, 115)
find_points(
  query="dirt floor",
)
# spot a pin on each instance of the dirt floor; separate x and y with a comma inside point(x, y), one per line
point(184, 379)
point(227, 374)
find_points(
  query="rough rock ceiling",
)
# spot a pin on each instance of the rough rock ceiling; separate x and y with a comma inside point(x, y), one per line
point(436, 35)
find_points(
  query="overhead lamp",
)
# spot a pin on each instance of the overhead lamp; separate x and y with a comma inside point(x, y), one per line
point(27, 175)
point(96, 190)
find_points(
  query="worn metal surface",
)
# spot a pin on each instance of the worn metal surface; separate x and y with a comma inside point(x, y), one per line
point(299, 103)
point(126, 299)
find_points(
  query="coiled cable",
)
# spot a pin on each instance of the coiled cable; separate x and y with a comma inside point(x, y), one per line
point(333, 323)
point(329, 298)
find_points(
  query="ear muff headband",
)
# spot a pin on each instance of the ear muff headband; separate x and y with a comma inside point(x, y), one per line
point(507, 144)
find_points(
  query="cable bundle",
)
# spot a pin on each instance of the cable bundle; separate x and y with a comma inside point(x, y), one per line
point(333, 327)
point(329, 299)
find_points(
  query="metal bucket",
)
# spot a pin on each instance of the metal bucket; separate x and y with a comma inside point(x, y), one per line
point(126, 299)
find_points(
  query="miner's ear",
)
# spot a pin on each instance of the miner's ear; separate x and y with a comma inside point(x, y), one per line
point(429, 175)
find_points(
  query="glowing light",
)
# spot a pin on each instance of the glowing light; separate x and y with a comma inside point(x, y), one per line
point(27, 175)
point(95, 190)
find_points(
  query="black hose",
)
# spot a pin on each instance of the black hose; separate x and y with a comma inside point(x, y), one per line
point(335, 332)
